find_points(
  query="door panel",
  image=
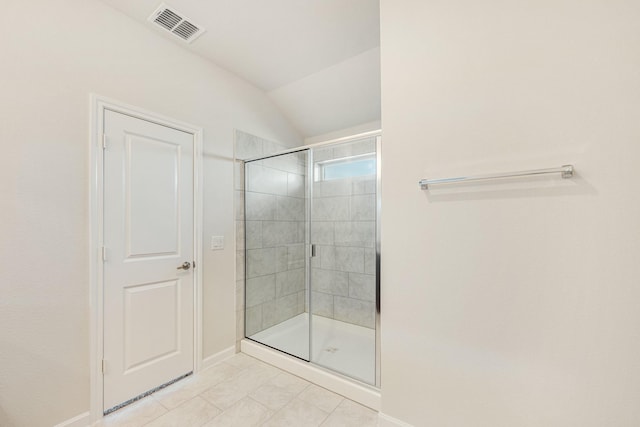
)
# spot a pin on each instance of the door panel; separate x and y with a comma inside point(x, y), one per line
point(151, 332)
point(148, 234)
point(276, 260)
point(152, 222)
point(343, 282)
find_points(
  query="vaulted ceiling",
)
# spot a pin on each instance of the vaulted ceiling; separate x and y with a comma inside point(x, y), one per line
point(318, 60)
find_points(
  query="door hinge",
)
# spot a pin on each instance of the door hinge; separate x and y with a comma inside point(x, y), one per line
point(104, 366)
point(313, 250)
point(104, 253)
point(104, 141)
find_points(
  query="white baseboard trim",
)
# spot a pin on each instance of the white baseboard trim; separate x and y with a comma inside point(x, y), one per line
point(82, 420)
point(387, 421)
point(361, 393)
point(218, 357)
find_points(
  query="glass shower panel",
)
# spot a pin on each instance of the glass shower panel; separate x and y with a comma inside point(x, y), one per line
point(276, 258)
point(343, 270)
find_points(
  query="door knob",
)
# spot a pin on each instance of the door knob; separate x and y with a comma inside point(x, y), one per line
point(185, 266)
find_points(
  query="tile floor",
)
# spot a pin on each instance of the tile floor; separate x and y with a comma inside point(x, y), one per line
point(243, 392)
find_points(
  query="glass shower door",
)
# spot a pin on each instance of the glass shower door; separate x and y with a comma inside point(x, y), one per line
point(277, 254)
point(343, 271)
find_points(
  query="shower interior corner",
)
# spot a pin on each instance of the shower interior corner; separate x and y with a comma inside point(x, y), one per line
point(308, 246)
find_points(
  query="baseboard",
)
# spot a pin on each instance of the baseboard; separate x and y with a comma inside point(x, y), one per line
point(385, 420)
point(361, 393)
point(218, 357)
point(82, 420)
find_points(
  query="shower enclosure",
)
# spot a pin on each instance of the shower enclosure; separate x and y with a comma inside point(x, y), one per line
point(312, 254)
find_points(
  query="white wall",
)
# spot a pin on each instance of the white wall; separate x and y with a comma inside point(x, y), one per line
point(515, 303)
point(53, 55)
point(344, 95)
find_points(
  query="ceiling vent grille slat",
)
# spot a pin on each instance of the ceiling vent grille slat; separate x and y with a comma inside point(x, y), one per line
point(186, 29)
point(170, 20)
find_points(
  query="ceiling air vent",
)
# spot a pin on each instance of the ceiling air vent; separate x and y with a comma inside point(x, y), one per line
point(176, 23)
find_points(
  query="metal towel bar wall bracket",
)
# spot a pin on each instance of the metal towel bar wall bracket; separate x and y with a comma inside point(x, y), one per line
point(566, 171)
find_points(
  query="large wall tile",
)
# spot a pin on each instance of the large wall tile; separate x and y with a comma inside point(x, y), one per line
point(282, 258)
point(253, 233)
point(322, 280)
point(286, 163)
point(362, 286)
point(296, 185)
point(286, 307)
point(363, 208)
point(331, 188)
point(290, 209)
point(354, 311)
point(260, 207)
point(269, 314)
point(331, 209)
point(327, 256)
point(322, 304)
point(296, 255)
point(341, 283)
point(275, 233)
point(322, 232)
point(290, 282)
point(349, 259)
point(260, 290)
point(364, 185)
point(260, 262)
point(262, 179)
point(355, 233)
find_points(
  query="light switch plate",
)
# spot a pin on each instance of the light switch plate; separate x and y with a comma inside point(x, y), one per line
point(217, 243)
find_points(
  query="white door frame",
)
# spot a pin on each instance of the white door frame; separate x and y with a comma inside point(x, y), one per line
point(96, 191)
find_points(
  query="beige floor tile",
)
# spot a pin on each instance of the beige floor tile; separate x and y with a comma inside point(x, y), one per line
point(241, 360)
point(194, 413)
point(271, 396)
point(322, 398)
point(135, 415)
point(218, 373)
point(299, 414)
point(228, 392)
point(352, 414)
point(244, 413)
point(289, 382)
point(264, 370)
point(178, 393)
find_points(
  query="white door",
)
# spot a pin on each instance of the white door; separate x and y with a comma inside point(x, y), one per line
point(148, 235)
